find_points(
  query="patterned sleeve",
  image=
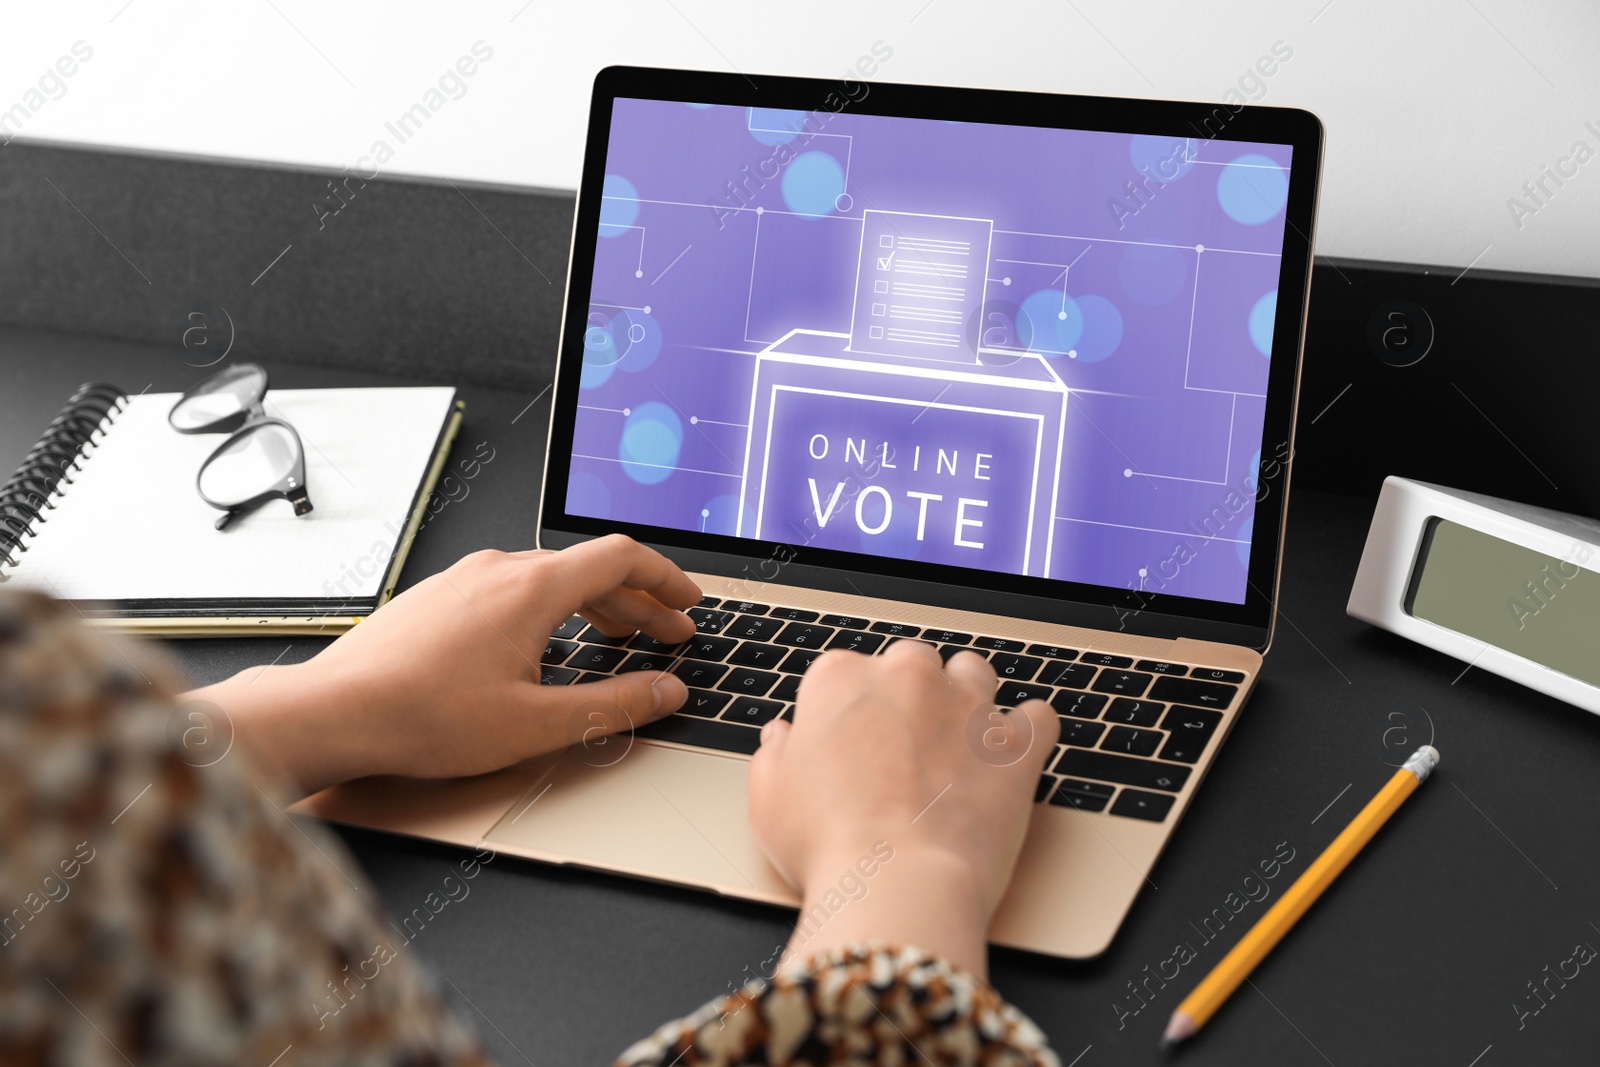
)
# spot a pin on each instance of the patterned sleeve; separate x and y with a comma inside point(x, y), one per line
point(156, 907)
point(863, 1004)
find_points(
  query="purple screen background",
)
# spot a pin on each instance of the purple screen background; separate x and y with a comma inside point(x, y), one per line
point(947, 312)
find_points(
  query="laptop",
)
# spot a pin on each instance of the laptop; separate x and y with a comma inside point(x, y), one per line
point(1009, 372)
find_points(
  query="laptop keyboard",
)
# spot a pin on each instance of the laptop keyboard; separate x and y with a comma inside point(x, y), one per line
point(1131, 729)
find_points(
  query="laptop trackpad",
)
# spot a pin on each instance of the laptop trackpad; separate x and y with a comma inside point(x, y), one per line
point(655, 812)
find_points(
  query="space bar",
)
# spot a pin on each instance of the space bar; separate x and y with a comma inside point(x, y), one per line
point(703, 733)
point(1147, 774)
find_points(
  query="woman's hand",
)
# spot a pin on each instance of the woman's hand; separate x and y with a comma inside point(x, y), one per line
point(444, 680)
point(899, 756)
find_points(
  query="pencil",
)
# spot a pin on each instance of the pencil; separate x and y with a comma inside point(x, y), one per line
point(1214, 990)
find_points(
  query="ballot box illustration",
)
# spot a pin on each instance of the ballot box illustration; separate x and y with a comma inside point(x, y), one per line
point(901, 457)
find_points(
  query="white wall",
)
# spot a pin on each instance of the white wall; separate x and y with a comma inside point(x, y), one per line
point(1437, 110)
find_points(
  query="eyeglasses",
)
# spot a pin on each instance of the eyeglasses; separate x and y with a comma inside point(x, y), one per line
point(261, 460)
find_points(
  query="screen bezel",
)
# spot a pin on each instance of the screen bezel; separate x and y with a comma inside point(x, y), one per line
point(1050, 600)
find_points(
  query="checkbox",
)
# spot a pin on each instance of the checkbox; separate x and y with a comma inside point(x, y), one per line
point(886, 241)
point(885, 262)
point(880, 287)
point(879, 310)
point(875, 332)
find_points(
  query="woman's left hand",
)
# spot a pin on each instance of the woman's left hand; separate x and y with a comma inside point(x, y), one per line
point(444, 680)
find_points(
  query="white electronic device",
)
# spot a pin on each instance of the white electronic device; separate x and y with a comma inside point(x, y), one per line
point(1507, 587)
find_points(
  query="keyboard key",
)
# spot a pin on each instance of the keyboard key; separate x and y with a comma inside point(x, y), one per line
point(1012, 667)
point(596, 658)
point(697, 674)
point(595, 637)
point(857, 641)
point(709, 648)
point(751, 629)
point(1067, 675)
point(1161, 666)
point(1085, 796)
point(896, 629)
point(1078, 705)
point(703, 733)
point(799, 659)
point(570, 629)
point(709, 602)
point(787, 689)
point(947, 637)
point(752, 712)
point(946, 651)
point(1080, 733)
point(745, 607)
point(794, 614)
point(705, 703)
point(747, 682)
point(805, 635)
point(1134, 712)
point(1010, 694)
point(999, 644)
point(1189, 730)
point(643, 642)
point(1212, 674)
point(1133, 742)
point(1124, 770)
point(708, 621)
point(1139, 805)
point(1123, 683)
point(846, 622)
point(647, 661)
point(1046, 786)
point(1052, 652)
point(754, 654)
point(590, 676)
point(557, 675)
point(557, 651)
point(1193, 691)
point(1105, 659)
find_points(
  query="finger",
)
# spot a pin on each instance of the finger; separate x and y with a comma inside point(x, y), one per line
point(605, 623)
point(584, 573)
point(612, 705)
point(973, 674)
point(641, 611)
point(919, 652)
point(764, 771)
point(1046, 733)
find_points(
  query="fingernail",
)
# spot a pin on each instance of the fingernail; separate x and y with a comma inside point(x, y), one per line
point(766, 729)
point(658, 698)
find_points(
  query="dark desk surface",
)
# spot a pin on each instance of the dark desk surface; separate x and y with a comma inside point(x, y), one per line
point(1422, 953)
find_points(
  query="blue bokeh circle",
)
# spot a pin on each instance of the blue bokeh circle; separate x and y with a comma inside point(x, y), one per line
point(1252, 189)
point(616, 215)
point(812, 184)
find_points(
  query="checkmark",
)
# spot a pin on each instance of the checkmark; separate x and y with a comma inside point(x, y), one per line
point(884, 262)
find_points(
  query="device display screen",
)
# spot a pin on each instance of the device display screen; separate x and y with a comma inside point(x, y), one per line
point(1030, 351)
point(1539, 607)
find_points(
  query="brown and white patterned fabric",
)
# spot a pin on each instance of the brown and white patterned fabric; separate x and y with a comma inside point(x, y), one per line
point(863, 1004)
point(158, 908)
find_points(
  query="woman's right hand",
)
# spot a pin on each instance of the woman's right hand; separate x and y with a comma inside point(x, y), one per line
point(901, 791)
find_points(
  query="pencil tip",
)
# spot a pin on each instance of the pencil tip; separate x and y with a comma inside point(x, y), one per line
point(1164, 1044)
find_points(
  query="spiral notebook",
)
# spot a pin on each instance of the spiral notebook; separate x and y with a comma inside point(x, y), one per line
point(104, 512)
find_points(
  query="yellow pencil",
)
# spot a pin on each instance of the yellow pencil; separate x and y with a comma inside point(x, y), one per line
point(1214, 990)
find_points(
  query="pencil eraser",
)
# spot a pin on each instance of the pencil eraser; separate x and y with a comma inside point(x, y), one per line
point(1433, 754)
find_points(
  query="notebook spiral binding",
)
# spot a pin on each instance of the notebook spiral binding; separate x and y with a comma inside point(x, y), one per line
point(49, 465)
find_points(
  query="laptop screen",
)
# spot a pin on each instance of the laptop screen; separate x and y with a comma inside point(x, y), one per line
point(1026, 351)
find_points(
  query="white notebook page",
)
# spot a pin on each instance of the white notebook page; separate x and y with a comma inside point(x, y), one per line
point(133, 527)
